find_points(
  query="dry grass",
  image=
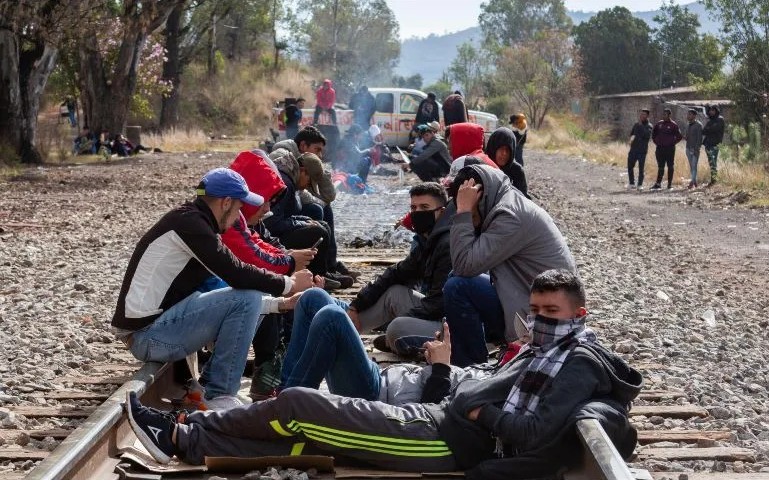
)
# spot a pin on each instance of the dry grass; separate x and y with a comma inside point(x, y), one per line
point(177, 140)
point(563, 134)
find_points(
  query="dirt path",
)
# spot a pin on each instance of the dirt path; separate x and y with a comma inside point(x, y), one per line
point(674, 278)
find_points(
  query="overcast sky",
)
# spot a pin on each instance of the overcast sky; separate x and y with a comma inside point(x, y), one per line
point(419, 18)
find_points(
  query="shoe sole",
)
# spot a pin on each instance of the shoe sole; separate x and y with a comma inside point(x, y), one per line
point(145, 440)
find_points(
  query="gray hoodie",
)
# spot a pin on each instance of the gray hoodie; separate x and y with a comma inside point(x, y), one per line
point(404, 383)
point(517, 241)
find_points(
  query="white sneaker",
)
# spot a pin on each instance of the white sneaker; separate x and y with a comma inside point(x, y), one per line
point(630, 186)
point(223, 402)
point(640, 188)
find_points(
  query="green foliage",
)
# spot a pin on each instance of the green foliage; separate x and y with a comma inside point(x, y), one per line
point(685, 54)
point(499, 105)
point(616, 52)
point(441, 88)
point(744, 144)
point(469, 69)
point(353, 41)
point(507, 22)
point(414, 81)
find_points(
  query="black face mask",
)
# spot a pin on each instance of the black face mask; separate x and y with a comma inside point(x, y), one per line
point(423, 221)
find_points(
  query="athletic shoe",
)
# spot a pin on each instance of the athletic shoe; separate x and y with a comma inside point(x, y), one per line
point(380, 343)
point(264, 380)
point(670, 186)
point(223, 402)
point(656, 186)
point(344, 280)
point(342, 268)
point(630, 186)
point(640, 188)
point(152, 427)
point(330, 284)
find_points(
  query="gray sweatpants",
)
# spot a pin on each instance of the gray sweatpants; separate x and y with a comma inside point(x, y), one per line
point(304, 421)
point(396, 301)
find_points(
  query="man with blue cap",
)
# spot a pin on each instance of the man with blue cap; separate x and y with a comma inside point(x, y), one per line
point(161, 316)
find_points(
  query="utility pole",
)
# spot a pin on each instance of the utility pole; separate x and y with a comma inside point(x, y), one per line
point(662, 61)
point(333, 47)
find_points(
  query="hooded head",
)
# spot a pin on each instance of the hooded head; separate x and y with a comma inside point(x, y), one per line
point(466, 138)
point(261, 177)
point(327, 83)
point(494, 184)
point(502, 137)
point(286, 163)
point(713, 111)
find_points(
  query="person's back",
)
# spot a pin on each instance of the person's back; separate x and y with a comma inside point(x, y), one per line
point(467, 139)
point(454, 109)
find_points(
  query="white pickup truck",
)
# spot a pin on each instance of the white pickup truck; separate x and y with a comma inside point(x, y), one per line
point(396, 109)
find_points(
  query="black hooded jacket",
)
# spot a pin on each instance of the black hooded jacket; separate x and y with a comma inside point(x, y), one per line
point(713, 131)
point(427, 266)
point(514, 170)
point(593, 383)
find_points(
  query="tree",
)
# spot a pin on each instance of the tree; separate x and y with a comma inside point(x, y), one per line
point(29, 33)
point(616, 51)
point(414, 81)
point(353, 41)
point(542, 74)
point(469, 69)
point(507, 22)
point(685, 55)
point(108, 82)
point(745, 31)
point(441, 88)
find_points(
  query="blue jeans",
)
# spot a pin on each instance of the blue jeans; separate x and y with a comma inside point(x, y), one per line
point(693, 156)
point(325, 344)
point(474, 313)
point(226, 317)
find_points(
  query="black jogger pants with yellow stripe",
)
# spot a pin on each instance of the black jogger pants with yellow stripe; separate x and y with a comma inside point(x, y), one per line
point(305, 421)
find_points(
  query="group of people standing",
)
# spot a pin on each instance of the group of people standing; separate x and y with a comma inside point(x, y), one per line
point(666, 134)
point(487, 264)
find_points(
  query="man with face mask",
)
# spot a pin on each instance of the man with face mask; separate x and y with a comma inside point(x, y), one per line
point(410, 293)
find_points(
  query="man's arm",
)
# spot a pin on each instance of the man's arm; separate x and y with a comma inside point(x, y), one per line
point(430, 307)
point(438, 354)
point(579, 380)
point(473, 255)
point(281, 221)
point(249, 248)
point(402, 273)
point(428, 152)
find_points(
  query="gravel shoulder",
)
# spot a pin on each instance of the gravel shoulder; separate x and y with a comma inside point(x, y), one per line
point(677, 279)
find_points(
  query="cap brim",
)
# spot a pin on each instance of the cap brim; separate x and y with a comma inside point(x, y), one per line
point(253, 199)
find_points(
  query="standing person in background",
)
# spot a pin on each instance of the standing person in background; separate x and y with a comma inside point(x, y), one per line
point(520, 129)
point(428, 111)
point(693, 143)
point(71, 104)
point(454, 109)
point(713, 135)
point(639, 146)
point(363, 106)
point(294, 117)
point(325, 98)
point(665, 135)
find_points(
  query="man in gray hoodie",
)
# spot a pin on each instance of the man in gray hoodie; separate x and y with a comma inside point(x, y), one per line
point(500, 241)
point(693, 138)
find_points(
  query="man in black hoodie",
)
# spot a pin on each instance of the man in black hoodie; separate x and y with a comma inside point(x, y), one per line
point(518, 423)
point(712, 136)
point(501, 150)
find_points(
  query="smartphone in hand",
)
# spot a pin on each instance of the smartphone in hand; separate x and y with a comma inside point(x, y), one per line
point(315, 245)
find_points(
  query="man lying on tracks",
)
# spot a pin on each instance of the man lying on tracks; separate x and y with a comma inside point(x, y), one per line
point(161, 317)
point(518, 423)
point(392, 297)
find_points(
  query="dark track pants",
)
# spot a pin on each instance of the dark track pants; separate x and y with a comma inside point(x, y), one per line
point(665, 156)
point(305, 421)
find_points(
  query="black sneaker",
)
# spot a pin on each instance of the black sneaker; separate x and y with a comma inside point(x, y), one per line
point(329, 284)
point(656, 186)
point(344, 280)
point(342, 268)
point(380, 343)
point(152, 427)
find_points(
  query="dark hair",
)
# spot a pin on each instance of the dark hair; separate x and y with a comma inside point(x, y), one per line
point(465, 174)
point(667, 110)
point(646, 111)
point(692, 110)
point(431, 95)
point(560, 280)
point(433, 189)
point(458, 92)
point(300, 99)
point(309, 135)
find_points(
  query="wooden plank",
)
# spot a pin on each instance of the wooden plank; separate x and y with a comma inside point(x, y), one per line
point(657, 395)
point(74, 395)
point(56, 433)
point(669, 411)
point(10, 453)
point(95, 380)
point(726, 454)
point(687, 436)
point(65, 412)
point(372, 260)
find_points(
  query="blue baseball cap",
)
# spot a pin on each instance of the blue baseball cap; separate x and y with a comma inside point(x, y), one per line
point(223, 182)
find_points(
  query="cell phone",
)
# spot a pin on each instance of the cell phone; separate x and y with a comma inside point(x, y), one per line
point(315, 245)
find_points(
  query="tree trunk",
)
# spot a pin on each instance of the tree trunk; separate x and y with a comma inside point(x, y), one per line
point(212, 67)
point(172, 69)
point(23, 75)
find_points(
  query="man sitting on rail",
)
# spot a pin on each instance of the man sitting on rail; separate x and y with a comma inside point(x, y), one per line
point(518, 423)
point(161, 316)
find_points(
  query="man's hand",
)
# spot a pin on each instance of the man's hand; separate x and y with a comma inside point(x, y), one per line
point(439, 351)
point(302, 258)
point(473, 414)
point(353, 314)
point(288, 303)
point(302, 281)
point(319, 281)
point(468, 196)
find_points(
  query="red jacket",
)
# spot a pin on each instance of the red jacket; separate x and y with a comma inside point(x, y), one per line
point(247, 245)
point(467, 139)
point(325, 98)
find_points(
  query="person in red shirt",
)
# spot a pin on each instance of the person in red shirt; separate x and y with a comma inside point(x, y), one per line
point(325, 98)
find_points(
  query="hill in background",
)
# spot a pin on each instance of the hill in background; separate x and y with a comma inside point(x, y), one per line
point(431, 55)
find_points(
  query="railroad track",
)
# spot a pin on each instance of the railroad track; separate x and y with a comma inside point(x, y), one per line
point(76, 432)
